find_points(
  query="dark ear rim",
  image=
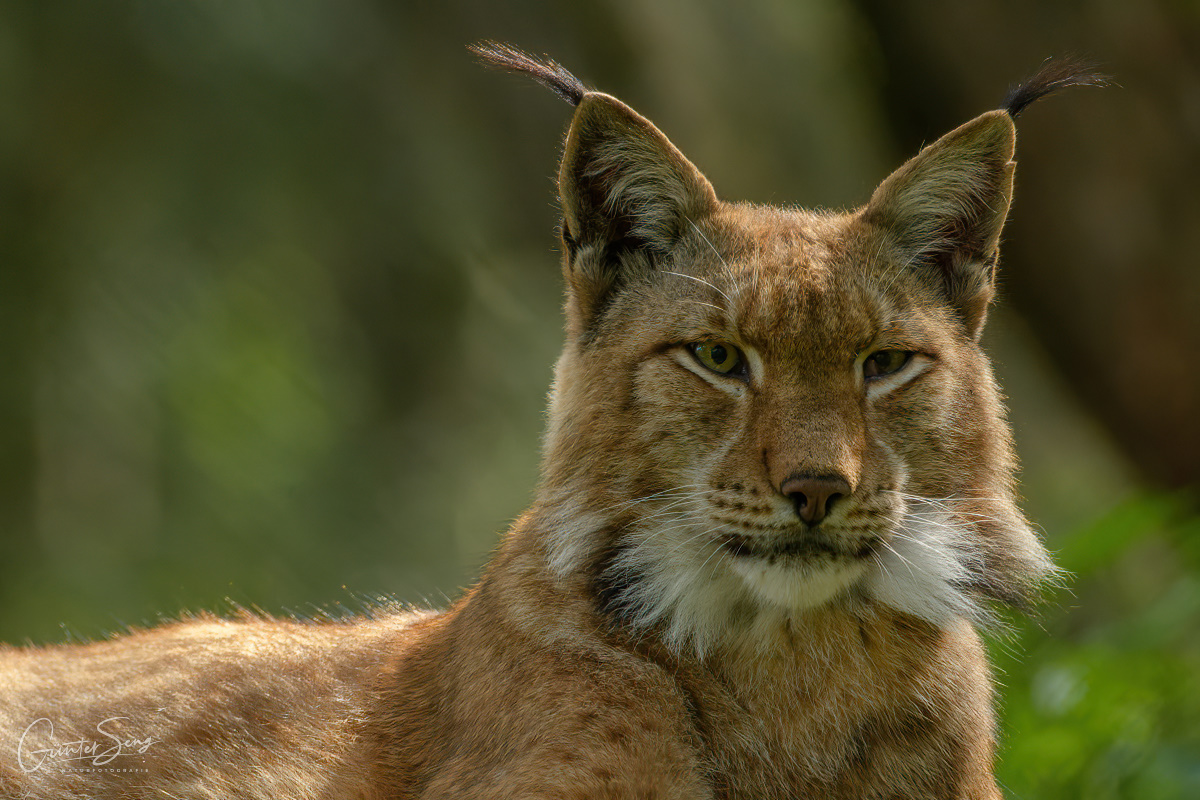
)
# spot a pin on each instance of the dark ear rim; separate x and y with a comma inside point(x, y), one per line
point(617, 217)
point(627, 196)
point(618, 163)
point(946, 208)
point(952, 168)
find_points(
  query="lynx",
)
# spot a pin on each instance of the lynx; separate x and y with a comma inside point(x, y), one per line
point(777, 502)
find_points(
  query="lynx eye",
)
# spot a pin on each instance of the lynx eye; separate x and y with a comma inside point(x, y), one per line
point(885, 362)
point(720, 357)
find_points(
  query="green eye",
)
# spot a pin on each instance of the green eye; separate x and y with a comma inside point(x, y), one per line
point(721, 358)
point(885, 362)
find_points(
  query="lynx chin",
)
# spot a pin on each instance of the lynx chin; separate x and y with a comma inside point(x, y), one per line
point(777, 500)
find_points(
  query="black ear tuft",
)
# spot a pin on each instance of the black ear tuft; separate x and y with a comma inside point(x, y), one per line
point(544, 70)
point(1054, 74)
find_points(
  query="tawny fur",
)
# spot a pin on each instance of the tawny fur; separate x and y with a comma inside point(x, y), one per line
point(661, 623)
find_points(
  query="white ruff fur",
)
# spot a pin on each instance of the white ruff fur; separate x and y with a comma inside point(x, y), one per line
point(926, 566)
point(677, 577)
point(797, 587)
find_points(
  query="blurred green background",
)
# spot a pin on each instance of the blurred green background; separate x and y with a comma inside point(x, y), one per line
point(279, 302)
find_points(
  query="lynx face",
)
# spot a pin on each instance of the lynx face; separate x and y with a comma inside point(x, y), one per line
point(783, 408)
point(760, 411)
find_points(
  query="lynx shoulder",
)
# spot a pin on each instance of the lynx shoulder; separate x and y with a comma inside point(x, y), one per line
point(776, 502)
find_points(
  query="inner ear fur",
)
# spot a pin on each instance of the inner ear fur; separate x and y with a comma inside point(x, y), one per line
point(627, 194)
point(946, 208)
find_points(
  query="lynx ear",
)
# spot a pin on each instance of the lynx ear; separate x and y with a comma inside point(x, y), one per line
point(947, 206)
point(627, 195)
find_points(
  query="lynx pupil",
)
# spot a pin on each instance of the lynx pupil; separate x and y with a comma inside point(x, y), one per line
point(724, 359)
point(885, 362)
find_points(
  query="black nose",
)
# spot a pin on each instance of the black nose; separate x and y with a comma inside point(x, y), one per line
point(814, 495)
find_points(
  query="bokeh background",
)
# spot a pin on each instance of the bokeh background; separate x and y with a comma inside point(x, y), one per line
point(279, 302)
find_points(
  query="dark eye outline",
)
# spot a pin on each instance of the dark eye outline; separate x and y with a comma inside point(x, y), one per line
point(906, 357)
point(737, 369)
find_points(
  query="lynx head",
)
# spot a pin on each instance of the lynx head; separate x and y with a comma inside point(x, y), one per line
point(761, 411)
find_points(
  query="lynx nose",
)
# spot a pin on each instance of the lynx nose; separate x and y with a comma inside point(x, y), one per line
point(814, 495)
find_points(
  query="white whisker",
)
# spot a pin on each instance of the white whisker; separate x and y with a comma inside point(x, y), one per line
point(708, 242)
point(707, 305)
point(701, 281)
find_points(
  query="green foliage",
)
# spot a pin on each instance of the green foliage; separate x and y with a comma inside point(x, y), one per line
point(1101, 697)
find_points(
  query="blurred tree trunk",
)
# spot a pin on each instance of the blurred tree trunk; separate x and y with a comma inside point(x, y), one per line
point(1105, 231)
point(21, 286)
